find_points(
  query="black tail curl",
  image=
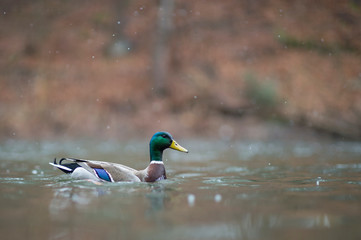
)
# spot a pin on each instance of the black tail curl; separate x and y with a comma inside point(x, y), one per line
point(71, 166)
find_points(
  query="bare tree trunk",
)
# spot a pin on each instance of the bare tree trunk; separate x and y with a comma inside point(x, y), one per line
point(161, 48)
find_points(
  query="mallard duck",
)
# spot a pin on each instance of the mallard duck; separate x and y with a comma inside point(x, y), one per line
point(114, 172)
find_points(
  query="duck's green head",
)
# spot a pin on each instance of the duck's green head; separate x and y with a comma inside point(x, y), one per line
point(161, 141)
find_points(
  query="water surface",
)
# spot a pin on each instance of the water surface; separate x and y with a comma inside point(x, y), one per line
point(233, 190)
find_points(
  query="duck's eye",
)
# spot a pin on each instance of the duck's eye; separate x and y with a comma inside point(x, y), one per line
point(165, 136)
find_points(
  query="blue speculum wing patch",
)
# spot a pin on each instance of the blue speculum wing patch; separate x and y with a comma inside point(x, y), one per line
point(102, 174)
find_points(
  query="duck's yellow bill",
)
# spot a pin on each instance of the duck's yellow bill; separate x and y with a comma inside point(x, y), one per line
point(178, 147)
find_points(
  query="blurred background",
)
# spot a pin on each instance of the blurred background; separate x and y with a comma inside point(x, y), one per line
point(218, 69)
point(265, 94)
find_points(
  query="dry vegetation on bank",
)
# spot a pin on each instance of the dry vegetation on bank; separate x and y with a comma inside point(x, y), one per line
point(231, 68)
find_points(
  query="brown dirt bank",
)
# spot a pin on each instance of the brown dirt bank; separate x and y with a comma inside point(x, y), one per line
point(255, 69)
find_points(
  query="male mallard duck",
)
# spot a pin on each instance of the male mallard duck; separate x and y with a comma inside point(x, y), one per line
point(114, 172)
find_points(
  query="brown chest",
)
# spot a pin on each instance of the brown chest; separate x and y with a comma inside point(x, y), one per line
point(155, 172)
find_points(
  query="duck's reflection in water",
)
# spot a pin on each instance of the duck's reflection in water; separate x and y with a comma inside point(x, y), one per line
point(71, 198)
point(82, 203)
point(158, 198)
